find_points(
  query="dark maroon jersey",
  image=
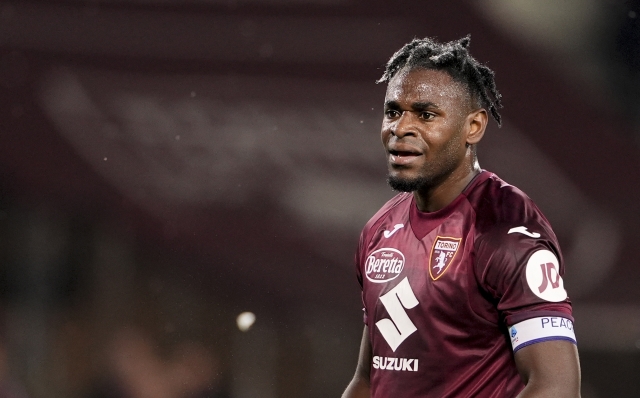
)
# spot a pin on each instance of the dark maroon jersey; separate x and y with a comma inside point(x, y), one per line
point(442, 292)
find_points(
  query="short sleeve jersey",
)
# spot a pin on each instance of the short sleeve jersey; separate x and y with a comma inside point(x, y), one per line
point(440, 290)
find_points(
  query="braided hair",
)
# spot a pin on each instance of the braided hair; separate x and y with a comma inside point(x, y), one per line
point(454, 58)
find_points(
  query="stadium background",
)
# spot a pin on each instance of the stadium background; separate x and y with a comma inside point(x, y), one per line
point(166, 165)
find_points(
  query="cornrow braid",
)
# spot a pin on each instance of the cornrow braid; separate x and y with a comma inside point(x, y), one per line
point(454, 58)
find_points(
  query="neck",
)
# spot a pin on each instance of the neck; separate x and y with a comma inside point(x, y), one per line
point(436, 197)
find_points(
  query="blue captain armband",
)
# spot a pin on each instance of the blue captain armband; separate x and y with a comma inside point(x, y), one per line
point(537, 330)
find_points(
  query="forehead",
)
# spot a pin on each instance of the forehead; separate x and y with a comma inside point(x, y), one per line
point(426, 85)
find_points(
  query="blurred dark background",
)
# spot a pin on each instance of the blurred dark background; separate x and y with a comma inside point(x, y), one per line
point(167, 165)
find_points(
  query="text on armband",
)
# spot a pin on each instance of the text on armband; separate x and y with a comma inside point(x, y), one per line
point(556, 322)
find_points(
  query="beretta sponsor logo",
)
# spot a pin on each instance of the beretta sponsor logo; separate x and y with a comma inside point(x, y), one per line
point(384, 265)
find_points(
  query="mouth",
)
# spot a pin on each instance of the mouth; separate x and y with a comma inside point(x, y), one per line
point(401, 158)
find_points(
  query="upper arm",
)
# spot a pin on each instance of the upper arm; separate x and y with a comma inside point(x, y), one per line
point(359, 386)
point(363, 369)
point(549, 369)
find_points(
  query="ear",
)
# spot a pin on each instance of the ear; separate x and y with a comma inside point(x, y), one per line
point(476, 125)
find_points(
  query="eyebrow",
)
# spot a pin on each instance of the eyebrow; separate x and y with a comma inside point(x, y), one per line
point(416, 106)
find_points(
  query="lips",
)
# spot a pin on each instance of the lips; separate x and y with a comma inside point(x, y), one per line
point(403, 155)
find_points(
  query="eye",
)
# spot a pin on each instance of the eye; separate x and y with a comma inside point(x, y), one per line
point(391, 113)
point(427, 115)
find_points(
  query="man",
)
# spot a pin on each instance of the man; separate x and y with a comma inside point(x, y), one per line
point(461, 274)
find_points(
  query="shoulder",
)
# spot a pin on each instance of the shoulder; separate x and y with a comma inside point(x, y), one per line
point(501, 207)
point(509, 228)
point(517, 256)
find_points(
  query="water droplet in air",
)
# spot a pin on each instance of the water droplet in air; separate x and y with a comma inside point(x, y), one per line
point(245, 320)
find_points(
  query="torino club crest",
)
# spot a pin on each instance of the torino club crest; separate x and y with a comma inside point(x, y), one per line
point(442, 254)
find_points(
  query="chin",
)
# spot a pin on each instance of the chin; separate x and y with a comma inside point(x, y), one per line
point(405, 184)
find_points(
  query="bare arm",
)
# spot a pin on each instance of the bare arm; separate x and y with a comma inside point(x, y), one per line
point(549, 369)
point(359, 385)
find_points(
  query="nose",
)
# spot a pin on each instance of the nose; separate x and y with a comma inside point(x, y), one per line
point(404, 125)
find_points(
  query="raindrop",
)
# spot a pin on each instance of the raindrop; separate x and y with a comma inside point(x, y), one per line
point(245, 321)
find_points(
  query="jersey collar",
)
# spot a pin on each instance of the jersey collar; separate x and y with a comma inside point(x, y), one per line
point(424, 222)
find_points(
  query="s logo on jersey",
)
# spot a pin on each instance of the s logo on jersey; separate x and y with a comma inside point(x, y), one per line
point(384, 265)
point(442, 254)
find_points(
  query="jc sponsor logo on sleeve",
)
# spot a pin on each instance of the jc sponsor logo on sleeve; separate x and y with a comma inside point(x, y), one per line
point(543, 276)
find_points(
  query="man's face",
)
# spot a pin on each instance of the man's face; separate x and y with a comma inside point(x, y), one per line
point(423, 128)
